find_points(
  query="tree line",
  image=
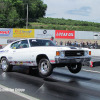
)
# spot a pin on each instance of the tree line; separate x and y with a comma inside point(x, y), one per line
point(13, 15)
point(66, 24)
point(13, 12)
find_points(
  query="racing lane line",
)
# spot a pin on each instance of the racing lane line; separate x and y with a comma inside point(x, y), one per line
point(91, 71)
point(19, 93)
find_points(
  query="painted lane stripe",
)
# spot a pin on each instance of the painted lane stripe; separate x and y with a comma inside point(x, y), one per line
point(19, 93)
point(91, 71)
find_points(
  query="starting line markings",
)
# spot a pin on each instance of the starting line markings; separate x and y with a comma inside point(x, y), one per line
point(20, 94)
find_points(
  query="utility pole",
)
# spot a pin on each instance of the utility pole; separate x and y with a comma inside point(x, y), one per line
point(27, 17)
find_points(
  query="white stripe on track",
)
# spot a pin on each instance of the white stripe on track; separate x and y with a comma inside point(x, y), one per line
point(20, 94)
point(90, 71)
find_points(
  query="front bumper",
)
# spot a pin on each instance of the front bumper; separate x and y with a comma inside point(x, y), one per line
point(66, 60)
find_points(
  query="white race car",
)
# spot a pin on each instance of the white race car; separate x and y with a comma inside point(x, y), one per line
point(42, 54)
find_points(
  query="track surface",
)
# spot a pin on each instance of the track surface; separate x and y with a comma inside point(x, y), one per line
point(61, 85)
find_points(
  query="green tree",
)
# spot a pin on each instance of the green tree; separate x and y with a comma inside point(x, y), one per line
point(36, 8)
point(13, 12)
point(9, 13)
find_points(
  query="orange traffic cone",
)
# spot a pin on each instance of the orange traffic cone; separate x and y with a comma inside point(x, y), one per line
point(91, 64)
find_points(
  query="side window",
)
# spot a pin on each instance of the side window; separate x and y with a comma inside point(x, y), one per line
point(23, 44)
point(14, 45)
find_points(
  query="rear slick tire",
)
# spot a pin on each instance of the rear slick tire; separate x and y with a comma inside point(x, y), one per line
point(44, 68)
point(5, 65)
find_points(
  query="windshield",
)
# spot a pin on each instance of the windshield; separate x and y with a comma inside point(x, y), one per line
point(40, 42)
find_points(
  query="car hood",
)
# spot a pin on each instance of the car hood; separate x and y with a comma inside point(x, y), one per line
point(59, 48)
point(66, 48)
point(56, 48)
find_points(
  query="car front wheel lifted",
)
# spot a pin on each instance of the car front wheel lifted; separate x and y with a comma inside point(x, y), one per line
point(74, 68)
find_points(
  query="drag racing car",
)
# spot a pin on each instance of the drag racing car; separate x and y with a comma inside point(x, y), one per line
point(42, 54)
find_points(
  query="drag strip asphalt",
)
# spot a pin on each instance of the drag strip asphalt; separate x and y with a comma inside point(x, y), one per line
point(61, 84)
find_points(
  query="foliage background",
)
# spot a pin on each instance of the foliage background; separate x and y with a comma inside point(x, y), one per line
point(13, 12)
point(13, 15)
point(64, 24)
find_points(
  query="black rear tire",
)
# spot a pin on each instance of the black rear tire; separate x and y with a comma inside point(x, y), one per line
point(74, 68)
point(5, 65)
point(44, 68)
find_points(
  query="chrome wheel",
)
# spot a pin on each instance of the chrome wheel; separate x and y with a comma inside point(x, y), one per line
point(44, 67)
point(4, 64)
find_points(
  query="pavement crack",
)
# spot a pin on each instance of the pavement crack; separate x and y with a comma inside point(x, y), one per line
point(40, 88)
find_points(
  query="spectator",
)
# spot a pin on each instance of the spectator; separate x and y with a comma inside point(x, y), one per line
point(61, 43)
point(90, 45)
point(83, 44)
point(52, 39)
point(80, 44)
point(76, 44)
point(87, 44)
point(70, 44)
point(65, 43)
point(96, 45)
point(0, 46)
point(56, 43)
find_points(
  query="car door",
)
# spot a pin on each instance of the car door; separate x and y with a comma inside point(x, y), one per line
point(21, 53)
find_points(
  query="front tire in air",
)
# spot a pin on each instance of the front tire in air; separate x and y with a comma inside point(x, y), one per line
point(74, 68)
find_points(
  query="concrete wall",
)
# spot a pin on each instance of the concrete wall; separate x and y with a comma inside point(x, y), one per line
point(95, 52)
point(84, 35)
point(40, 33)
point(43, 33)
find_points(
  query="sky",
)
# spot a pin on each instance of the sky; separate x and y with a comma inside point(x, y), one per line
point(84, 10)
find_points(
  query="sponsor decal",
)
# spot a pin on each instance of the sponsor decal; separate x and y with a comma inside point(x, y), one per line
point(28, 62)
point(66, 34)
point(15, 62)
point(52, 61)
point(34, 63)
point(4, 51)
point(21, 63)
point(27, 33)
point(45, 31)
point(44, 34)
point(5, 32)
point(10, 62)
